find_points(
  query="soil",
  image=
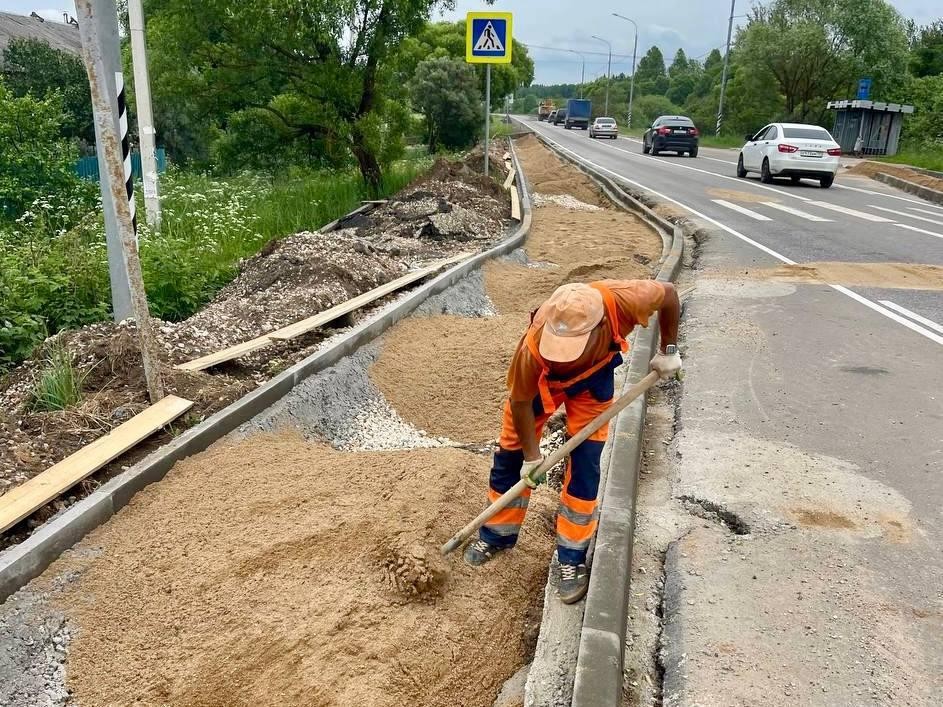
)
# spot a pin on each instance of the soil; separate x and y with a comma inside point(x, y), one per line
point(735, 195)
point(323, 586)
point(448, 210)
point(869, 169)
point(905, 276)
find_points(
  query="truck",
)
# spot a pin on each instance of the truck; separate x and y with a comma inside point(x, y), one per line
point(578, 112)
point(545, 109)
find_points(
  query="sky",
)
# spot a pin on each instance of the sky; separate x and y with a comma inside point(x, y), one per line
point(697, 26)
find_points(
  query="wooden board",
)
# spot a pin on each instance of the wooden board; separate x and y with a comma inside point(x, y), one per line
point(228, 354)
point(510, 180)
point(23, 500)
point(321, 318)
point(515, 205)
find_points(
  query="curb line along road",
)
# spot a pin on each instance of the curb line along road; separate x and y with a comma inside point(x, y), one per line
point(26, 560)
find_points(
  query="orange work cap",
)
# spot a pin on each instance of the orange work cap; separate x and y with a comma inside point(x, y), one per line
point(572, 312)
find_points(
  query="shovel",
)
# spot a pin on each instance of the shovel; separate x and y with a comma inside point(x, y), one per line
point(552, 459)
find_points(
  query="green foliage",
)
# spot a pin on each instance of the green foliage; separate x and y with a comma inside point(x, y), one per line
point(32, 67)
point(51, 279)
point(60, 384)
point(925, 127)
point(683, 76)
point(650, 76)
point(926, 58)
point(647, 108)
point(34, 159)
point(445, 91)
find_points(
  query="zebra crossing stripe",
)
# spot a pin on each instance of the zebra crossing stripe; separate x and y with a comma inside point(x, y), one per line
point(126, 148)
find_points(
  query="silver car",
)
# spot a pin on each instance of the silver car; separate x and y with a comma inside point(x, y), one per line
point(604, 127)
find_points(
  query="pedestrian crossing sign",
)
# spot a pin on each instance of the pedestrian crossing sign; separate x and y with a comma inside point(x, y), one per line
point(488, 38)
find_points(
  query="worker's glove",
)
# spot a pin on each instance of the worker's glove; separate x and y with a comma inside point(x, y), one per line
point(527, 470)
point(667, 365)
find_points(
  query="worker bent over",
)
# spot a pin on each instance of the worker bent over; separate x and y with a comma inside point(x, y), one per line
point(567, 357)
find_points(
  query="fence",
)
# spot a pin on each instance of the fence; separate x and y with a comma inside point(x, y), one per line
point(87, 167)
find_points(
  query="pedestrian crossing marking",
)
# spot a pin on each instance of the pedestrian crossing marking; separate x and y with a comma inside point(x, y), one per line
point(936, 222)
point(796, 212)
point(742, 210)
point(488, 40)
point(851, 212)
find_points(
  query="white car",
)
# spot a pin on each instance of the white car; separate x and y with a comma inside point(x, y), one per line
point(791, 150)
point(604, 127)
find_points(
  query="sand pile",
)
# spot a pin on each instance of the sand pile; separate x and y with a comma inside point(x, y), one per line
point(548, 174)
point(903, 276)
point(323, 586)
point(869, 169)
point(446, 375)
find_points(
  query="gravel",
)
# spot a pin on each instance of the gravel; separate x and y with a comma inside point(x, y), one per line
point(564, 200)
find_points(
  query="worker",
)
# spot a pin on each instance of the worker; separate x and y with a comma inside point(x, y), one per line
point(567, 357)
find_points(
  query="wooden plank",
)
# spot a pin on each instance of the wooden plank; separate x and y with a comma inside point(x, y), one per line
point(321, 318)
point(510, 180)
point(17, 504)
point(228, 354)
point(515, 205)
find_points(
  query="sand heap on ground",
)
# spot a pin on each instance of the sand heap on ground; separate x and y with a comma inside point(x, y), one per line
point(321, 586)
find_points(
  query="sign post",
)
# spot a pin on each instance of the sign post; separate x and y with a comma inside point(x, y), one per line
point(488, 41)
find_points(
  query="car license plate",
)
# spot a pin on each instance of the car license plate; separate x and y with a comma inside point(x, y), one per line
point(680, 132)
point(810, 153)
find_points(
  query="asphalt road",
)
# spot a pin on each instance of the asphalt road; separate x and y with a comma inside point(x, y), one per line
point(835, 390)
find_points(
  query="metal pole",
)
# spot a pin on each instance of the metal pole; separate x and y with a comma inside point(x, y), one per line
point(582, 69)
point(487, 114)
point(634, 54)
point(142, 93)
point(723, 77)
point(112, 179)
point(106, 35)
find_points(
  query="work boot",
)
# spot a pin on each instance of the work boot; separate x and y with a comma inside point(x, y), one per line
point(574, 581)
point(479, 552)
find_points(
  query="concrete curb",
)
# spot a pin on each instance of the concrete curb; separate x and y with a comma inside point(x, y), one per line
point(28, 559)
point(599, 668)
point(923, 192)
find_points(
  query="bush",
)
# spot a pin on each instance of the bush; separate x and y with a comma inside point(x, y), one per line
point(445, 91)
point(647, 108)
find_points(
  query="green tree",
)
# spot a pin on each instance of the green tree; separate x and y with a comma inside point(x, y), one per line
point(683, 76)
point(32, 67)
point(321, 72)
point(35, 160)
point(926, 57)
point(647, 108)
point(445, 91)
point(650, 76)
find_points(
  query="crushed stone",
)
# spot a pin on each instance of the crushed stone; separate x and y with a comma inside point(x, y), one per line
point(564, 200)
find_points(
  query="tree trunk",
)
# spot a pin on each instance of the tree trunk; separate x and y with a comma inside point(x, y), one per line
point(367, 161)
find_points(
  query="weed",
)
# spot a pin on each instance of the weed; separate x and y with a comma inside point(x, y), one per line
point(60, 384)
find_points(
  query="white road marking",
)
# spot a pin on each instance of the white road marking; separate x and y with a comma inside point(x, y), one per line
point(796, 212)
point(851, 212)
point(742, 210)
point(904, 213)
point(936, 338)
point(927, 211)
point(913, 315)
point(878, 193)
point(919, 230)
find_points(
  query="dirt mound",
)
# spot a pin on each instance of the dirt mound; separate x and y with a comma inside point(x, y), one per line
point(548, 174)
point(869, 169)
point(447, 374)
point(284, 596)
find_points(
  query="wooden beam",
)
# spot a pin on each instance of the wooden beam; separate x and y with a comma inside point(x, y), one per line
point(510, 180)
point(321, 318)
point(515, 205)
point(227, 354)
point(17, 504)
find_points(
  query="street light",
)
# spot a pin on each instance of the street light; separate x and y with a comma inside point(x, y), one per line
point(608, 71)
point(582, 70)
point(634, 52)
point(723, 78)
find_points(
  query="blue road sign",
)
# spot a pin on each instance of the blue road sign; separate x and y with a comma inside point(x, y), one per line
point(864, 89)
point(488, 37)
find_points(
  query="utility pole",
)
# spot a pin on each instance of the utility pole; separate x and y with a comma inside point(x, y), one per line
point(142, 93)
point(487, 115)
point(723, 77)
point(632, 83)
point(608, 72)
point(582, 69)
point(94, 53)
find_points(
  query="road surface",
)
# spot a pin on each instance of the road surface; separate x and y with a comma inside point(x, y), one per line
point(813, 415)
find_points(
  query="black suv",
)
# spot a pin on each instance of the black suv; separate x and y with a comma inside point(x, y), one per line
point(560, 117)
point(671, 133)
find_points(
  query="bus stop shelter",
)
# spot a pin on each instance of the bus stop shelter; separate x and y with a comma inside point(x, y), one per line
point(877, 123)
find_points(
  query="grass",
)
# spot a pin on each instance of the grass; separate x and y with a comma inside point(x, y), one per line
point(60, 384)
point(52, 279)
point(501, 129)
point(927, 158)
point(724, 141)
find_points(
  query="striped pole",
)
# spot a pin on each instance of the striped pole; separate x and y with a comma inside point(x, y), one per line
point(126, 148)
